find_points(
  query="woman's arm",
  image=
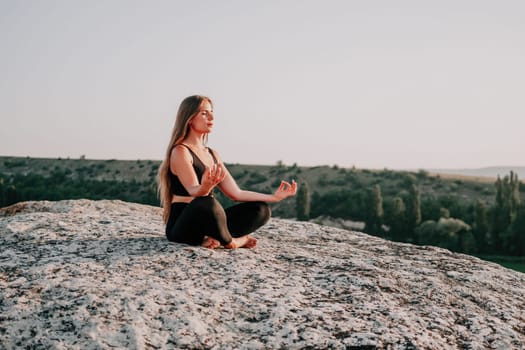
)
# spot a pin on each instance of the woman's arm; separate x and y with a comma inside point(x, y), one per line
point(181, 164)
point(230, 188)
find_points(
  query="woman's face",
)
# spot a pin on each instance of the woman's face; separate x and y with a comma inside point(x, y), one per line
point(202, 122)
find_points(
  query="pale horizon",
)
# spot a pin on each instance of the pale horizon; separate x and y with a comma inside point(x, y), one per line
point(404, 85)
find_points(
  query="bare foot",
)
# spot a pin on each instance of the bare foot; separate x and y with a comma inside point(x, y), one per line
point(210, 243)
point(242, 242)
point(251, 243)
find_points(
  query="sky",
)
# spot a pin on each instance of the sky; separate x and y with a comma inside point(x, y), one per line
point(371, 84)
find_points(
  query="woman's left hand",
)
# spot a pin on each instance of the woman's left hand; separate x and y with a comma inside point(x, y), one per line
point(286, 190)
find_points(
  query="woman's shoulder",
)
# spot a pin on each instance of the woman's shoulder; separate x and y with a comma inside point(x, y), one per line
point(182, 151)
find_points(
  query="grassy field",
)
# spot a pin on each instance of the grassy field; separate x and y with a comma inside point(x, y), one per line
point(481, 179)
point(516, 263)
point(513, 266)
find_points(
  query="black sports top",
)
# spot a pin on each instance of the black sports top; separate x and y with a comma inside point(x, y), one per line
point(176, 186)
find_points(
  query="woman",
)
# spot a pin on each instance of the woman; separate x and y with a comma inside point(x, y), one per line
point(189, 173)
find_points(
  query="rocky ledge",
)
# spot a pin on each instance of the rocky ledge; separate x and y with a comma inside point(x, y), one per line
point(101, 275)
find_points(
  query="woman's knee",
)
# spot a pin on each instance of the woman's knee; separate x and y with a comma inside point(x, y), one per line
point(208, 208)
point(263, 211)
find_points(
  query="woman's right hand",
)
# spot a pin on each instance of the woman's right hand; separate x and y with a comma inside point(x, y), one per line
point(212, 177)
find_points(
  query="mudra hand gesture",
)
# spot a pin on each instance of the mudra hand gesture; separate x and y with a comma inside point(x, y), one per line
point(286, 190)
point(212, 177)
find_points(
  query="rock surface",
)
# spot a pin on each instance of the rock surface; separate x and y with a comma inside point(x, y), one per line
point(101, 275)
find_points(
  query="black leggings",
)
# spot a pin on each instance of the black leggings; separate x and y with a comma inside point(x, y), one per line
point(204, 216)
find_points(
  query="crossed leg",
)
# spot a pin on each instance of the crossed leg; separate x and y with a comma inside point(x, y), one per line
point(205, 222)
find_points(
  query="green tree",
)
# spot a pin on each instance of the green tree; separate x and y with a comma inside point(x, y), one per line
point(500, 217)
point(480, 227)
point(303, 202)
point(344, 204)
point(427, 233)
point(514, 236)
point(11, 195)
point(397, 222)
point(514, 195)
point(2, 196)
point(413, 208)
point(374, 211)
point(505, 210)
point(430, 208)
point(444, 213)
point(449, 233)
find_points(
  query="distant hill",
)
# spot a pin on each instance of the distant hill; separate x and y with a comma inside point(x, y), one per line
point(94, 169)
point(490, 172)
point(331, 186)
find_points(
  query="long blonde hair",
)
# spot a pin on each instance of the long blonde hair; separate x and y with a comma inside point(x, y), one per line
point(188, 108)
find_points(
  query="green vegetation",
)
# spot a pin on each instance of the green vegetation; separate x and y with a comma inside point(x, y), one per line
point(374, 211)
point(512, 265)
point(464, 214)
point(303, 202)
point(24, 179)
point(512, 262)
